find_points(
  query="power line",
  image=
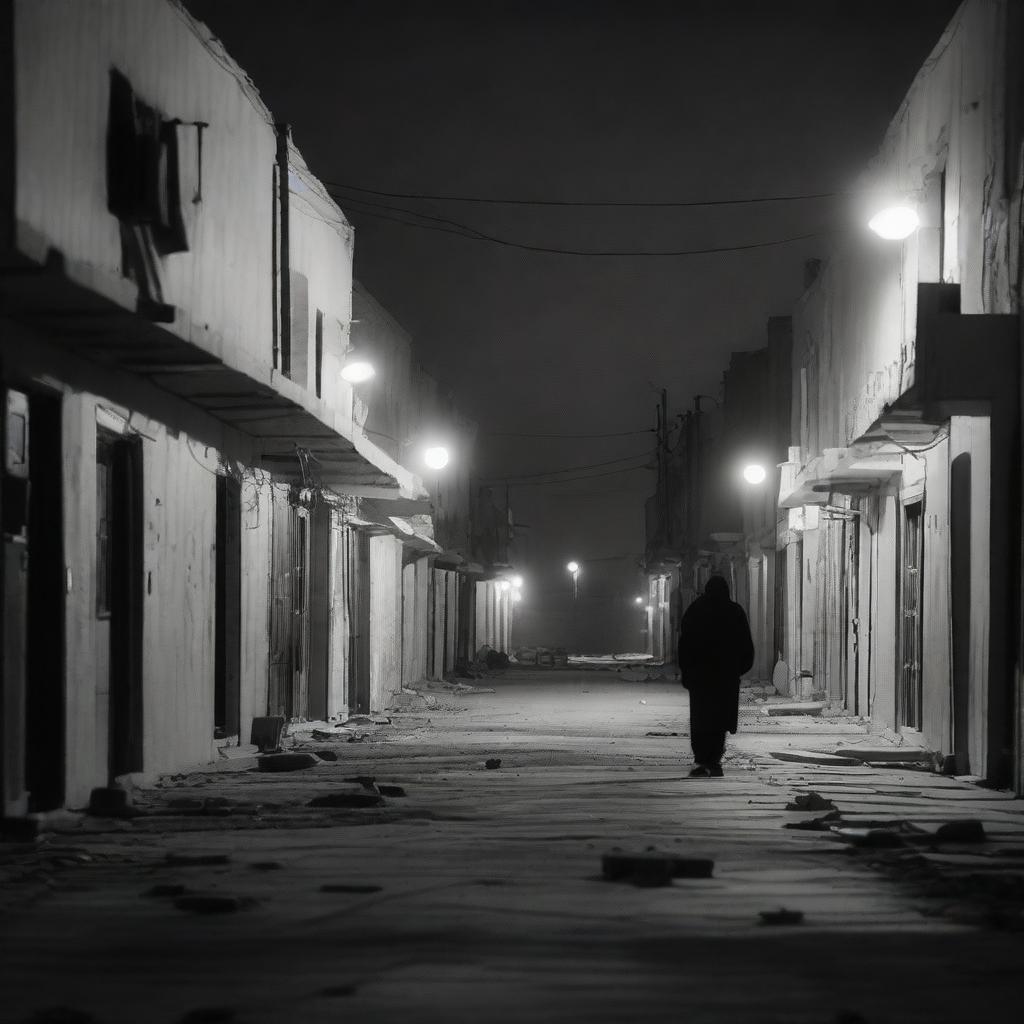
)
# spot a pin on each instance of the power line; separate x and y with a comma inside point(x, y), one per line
point(611, 203)
point(621, 433)
point(572, 479)
point(450, 227)
point(573, 469)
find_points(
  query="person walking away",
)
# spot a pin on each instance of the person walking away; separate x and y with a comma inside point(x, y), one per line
point(715, 649)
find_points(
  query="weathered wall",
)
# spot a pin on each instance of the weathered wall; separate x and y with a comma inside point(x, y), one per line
point(385, 621)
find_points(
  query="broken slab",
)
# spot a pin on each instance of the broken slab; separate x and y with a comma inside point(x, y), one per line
point(877, 754)
point(652, 867)
point(802, 707)
point(815, 757)
point(286, 762)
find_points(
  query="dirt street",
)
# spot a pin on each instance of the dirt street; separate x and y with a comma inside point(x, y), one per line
point(473, 893)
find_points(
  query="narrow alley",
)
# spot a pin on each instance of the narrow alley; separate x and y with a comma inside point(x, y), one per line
point(463, 892)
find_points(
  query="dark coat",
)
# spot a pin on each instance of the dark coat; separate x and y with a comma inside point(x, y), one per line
point(715, 649)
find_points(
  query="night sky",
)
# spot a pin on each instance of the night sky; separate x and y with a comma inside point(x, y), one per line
point(636, 102)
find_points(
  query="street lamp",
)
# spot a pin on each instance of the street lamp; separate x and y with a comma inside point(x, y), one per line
point(574, 572)
point(517, 581)
point(754, 473)
point(895, 223)
point(638, 600)
point(436, 457)
point(356, 368)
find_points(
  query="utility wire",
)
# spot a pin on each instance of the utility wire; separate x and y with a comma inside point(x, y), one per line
point(573, 469)
point(614, 203)
point(572, 479)
point(621, 433)
point(464, 230)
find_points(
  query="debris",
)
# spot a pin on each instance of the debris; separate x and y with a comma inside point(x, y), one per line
point(19, 830)
point(822, 824)
point(326, 755)
point(801, 707)
point(349, 887)
point(209, 903)
point(781, 916)
point(814, 757)
point(492, 762)
point(642, 701)
point(880, 754)
point(347, 800)
point(266, 733)
point(652, 867)
point(110, 802)
point(873, 838)
point(366, 781)
point(389, 790)
point(810, 802)
point(193, 860)
point(285, 762)
point(166, 890)
point(968, 831)
point(367, 720)
point(661, 734)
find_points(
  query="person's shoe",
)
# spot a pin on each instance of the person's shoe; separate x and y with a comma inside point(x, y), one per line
point(699, 772)
point(715, 771)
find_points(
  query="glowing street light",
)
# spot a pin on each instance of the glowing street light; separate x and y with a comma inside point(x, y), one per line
point(503, 585)
point(357, 370)
point(638, 600)
point(754, 473)
point(436, 457)
point(574, 572)
point(895, 222)
point(517, 581)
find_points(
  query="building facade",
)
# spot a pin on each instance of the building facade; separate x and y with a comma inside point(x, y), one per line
point(203, 523)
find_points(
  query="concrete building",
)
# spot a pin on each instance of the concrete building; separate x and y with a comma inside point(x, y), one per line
point(203, 523)
point(902, 488)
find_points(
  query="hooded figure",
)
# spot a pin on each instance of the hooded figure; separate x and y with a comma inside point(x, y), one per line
point(715, 649)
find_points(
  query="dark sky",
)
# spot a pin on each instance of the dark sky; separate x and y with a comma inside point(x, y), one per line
point(600, 101)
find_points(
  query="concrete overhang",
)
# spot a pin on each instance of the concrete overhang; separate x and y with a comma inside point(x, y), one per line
point(296, 436)
point(859, 469)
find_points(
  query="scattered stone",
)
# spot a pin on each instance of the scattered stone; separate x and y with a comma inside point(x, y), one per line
point(348, 887)
point(366, 781)
point(781, 916)
point(210, 1015)
point(325, 737)
point(266, 865)
point(285, 762)
point(814, 757)
point(968, 831)
point(326, 755)
point(822, 824)
point(880, 754)
point(209, 903)
point(652, 867)
point(195, 860)
point(266, 733)
point(367, 720)
point(166, 890)
point(810, 802)
point(19, 830)
point(347, 800)
point(661, 734)
point(802, 707)
point(61, 1015)
point(492, 762)
point(386, 789)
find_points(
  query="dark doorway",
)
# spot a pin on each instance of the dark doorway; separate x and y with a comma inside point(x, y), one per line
point(960, 607)
point(45, 696)
point(119, 571)
point(909, 692)
point(319, 609)
point(228, 610)
point(279, 695)
point(359, 621)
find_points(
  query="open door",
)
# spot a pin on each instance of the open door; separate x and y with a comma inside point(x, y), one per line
point(228, 610)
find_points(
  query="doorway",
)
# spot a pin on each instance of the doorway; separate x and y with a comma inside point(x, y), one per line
point(227, 610)
point(119, 570)
point(909, 691)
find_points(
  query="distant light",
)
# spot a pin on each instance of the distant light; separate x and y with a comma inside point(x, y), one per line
point(638, 600)
point(517, 581)
point(754, 473)
point(436, 458)
point(573, 567)
point(895, 222)
point(357, 370)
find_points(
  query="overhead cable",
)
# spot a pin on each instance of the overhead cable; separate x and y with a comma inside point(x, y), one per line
point(573, 469)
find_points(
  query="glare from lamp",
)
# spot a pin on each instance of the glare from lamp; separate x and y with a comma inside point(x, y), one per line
point(436, 457)
point(517, 596)
point(638, 600)
point(503, 585)
point(895, 222)
point(649, 608)
point(754, 473)
point(573, 567)
point(517, 581)
point(357, 371)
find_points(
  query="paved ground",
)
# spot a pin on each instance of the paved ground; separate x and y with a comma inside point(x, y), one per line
point(478, 895)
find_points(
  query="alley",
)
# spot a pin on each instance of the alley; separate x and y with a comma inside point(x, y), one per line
point(473, 893)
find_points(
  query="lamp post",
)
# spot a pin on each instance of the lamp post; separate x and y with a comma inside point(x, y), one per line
point(574, 572)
